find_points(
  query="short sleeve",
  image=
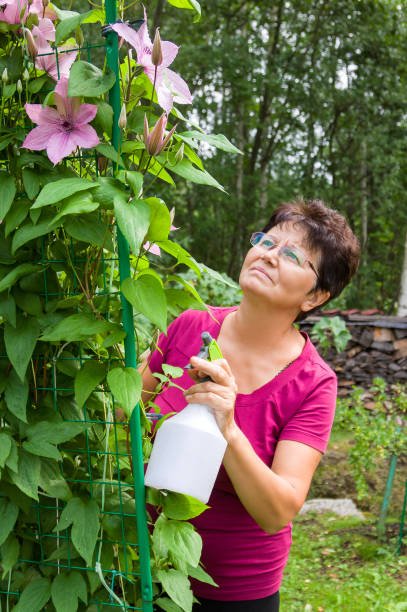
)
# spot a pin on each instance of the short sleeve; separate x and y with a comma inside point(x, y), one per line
point(312, 422)
point(158, 356)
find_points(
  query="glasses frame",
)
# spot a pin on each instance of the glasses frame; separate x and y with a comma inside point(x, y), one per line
point(277, 245)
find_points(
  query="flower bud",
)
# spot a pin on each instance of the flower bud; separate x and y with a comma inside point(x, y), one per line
point(19, 86)
point(31, 44)
point(102, 163)
point(157, 54)
point(179, 154)
point(45, 3)
point(4, 76)
point(26, 74)
point(123, 118)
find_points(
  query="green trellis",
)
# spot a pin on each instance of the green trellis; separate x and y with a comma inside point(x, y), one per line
point(124, 533)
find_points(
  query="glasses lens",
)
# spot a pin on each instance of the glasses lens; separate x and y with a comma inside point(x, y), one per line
point(293, 255)
point(256, 238)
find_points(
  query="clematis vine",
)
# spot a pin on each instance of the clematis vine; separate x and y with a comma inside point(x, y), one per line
point(62, 129)
point(170, 87)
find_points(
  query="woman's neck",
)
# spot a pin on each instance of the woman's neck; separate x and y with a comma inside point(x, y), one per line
point(259, 327)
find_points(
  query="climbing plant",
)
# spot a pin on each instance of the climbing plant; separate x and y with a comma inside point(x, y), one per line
point(88, 132)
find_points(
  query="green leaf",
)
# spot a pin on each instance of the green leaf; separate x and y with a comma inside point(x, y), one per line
point(29, 231)
point(52, 482)
point(174, 372)
point(42, 449)
point(8, 192)
point(29, 303)
point(133, 220)
point(16, 214)
point(104, 116)
point(66, 589)
point(12, 459)
point(44, 431)
point(56, 191)
point(5, 448)
point(8, 308)
point(107, 189)
point(90, 375)
point(8, 516)
point(16, 396)
point(182, 256)
point(177, 586)
point(217, 140)
point(10, 551)
point(20, 342)
point(160, 220)
point(12, 277)
point(87, 80)
point(28, 476)
point(199, 574)
point(180, 538)
point(148, 297)
point(110, 152)
point(66, 26)
point(84, 517)
point(31, 182)
point(188, 4)
point(125, 384)
point(182, 507)
point(76, 327)
point(188, 286)
point(135, 180)
point(185, 169)
point(90, 229)
point(77, 204)
point(164, 603)
point(35, 596)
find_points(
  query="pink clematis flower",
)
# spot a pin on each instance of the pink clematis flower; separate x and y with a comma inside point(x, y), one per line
point(170, 87)
point(48, 62)
point(60, 130)
point(16, 11)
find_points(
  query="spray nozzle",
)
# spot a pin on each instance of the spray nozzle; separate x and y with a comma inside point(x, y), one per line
point(209, 349)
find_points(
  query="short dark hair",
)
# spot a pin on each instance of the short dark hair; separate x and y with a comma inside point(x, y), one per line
point(326, 231)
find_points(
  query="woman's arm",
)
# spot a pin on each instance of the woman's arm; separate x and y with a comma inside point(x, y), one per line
point(272, 496)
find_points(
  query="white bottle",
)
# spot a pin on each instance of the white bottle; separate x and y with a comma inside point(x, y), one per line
point(187, 453)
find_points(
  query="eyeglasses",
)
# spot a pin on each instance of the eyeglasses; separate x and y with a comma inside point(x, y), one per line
point(291, 254)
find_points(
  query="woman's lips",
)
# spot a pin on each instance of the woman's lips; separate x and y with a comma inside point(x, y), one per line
point(261, 270)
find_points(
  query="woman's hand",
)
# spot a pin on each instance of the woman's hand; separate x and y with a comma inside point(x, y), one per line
point(218, 393)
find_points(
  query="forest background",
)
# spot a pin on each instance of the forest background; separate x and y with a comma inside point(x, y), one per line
point(314, 93)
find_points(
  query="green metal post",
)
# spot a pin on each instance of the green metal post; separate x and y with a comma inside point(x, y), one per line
point(403, 514)
point(383, 514)
point(112, 58)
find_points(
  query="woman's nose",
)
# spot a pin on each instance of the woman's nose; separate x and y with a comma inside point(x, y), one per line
point(272, 255)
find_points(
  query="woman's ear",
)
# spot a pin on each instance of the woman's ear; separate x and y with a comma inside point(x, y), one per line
point(314, 299)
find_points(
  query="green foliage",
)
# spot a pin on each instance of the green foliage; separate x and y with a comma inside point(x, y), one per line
point(331, 331)
point(377, 429)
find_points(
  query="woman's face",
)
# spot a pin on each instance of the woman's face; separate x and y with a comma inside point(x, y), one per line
point(274, 276)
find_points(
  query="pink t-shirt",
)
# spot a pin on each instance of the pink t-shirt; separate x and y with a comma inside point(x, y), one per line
point(298, 404)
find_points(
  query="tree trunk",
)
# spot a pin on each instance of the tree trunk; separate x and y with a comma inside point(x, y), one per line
point(402, 306)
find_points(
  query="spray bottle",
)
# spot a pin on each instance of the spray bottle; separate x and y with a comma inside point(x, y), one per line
point(189, 447)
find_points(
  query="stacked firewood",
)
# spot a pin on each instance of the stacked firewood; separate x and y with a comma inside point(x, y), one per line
point(378, 348)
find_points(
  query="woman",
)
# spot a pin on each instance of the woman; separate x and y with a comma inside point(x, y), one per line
point(272, 395)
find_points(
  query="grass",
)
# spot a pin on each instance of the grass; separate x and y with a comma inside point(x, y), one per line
point(338, 564)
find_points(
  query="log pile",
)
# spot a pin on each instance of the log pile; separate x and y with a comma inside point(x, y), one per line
point(378, 348)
